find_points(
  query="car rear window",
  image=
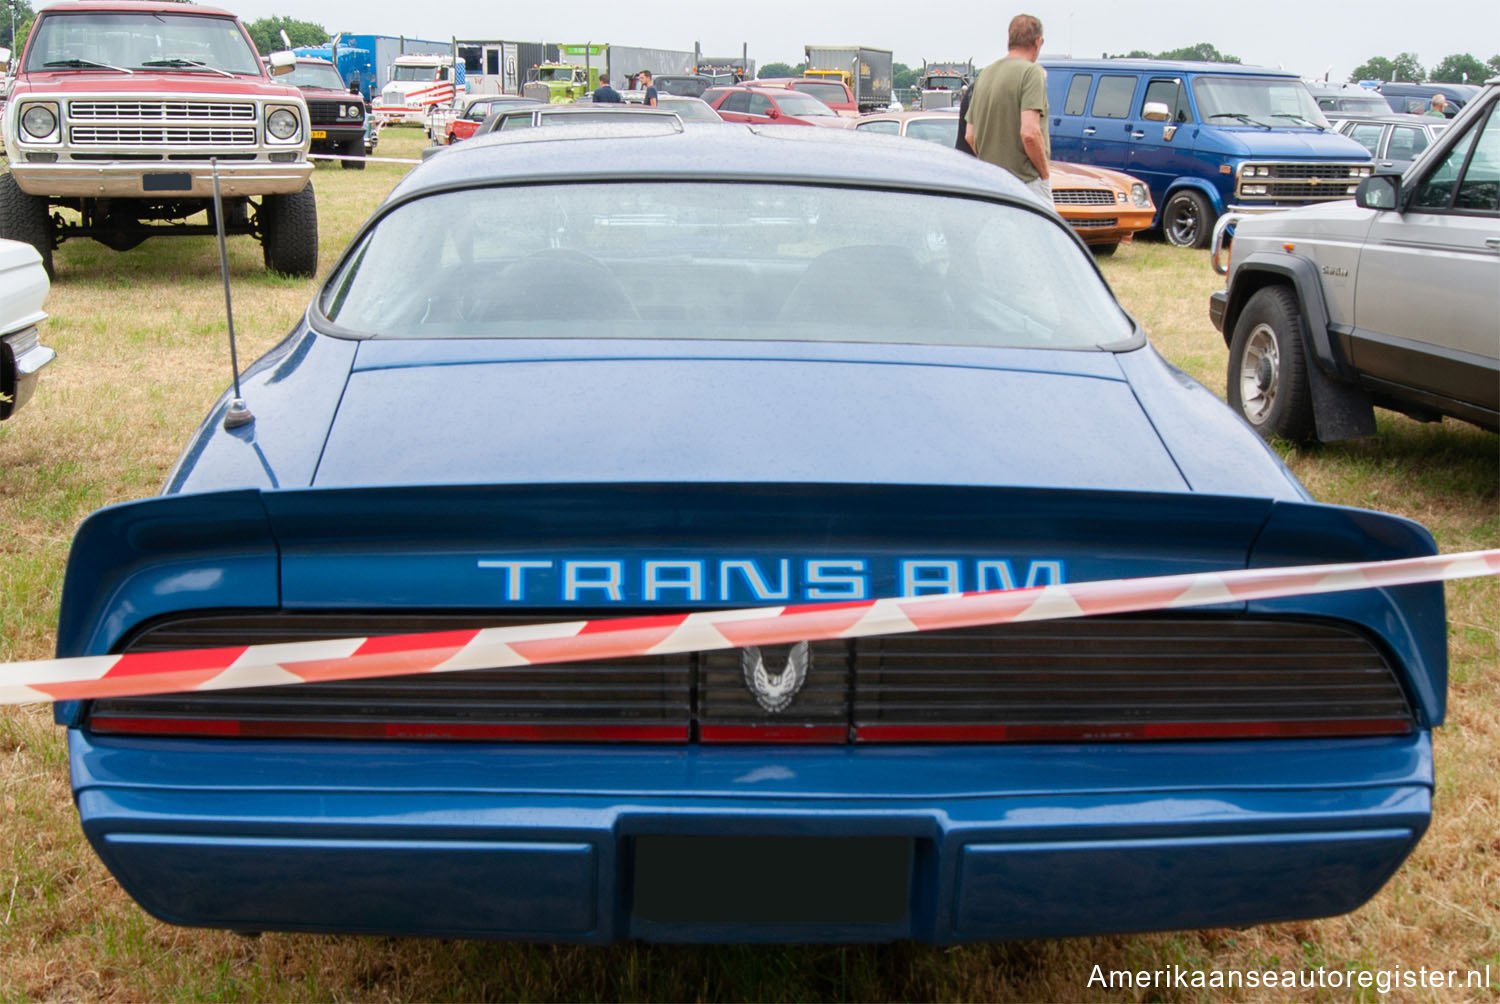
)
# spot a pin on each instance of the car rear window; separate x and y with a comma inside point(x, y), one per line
point(936, 130)
point(695, 260)
point(829, 94)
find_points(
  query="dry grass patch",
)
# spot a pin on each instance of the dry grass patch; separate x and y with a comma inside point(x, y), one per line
point(141, 358)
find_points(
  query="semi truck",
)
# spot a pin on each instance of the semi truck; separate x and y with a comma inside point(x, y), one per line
point(723, 70)
point(578, 68)
point(941, 85)
point(372, 57)
point(867, 71)
point(419, 84)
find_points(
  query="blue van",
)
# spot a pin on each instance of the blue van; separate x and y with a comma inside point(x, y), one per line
point(1205, 137)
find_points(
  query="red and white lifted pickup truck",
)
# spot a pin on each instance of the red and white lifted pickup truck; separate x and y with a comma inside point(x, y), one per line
point(117, 110)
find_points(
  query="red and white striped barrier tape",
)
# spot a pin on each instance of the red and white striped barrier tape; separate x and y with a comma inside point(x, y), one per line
point(613, 638)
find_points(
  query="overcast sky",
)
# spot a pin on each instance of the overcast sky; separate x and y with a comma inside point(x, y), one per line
point(1298, 35)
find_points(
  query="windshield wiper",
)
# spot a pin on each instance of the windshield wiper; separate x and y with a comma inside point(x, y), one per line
point(77, 64)
point(1241, 116)
point(179, 61)
point(1299, 118)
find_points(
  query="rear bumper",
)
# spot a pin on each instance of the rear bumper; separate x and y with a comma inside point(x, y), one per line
point(552, 843)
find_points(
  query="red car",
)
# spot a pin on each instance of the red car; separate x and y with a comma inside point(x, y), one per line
point(764, 105)
point(833, 93)
point(468, 121)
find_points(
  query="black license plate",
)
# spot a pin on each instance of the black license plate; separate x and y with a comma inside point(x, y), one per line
point(779, 880)
point(167, 181)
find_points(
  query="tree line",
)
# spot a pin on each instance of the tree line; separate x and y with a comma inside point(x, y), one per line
point(1458, 68)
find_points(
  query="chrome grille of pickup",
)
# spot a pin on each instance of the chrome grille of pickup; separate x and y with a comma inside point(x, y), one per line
point(1082, 197)
point(167, 136)
point(1140, 677)
point(161, 111)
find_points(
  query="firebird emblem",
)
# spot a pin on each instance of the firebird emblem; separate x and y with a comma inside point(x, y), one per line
point(775, 694)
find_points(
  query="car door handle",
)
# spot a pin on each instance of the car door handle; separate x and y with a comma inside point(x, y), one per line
point(1137, 135)
point(1089, 130)
point(1492, 242)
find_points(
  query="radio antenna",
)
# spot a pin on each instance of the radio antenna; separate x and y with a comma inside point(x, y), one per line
point(238, 414)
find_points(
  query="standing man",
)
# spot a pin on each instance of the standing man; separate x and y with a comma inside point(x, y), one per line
point(1007, 115)
point(650, 88)
point(605, 94)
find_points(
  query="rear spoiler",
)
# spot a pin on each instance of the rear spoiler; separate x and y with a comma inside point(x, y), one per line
point(425, 548)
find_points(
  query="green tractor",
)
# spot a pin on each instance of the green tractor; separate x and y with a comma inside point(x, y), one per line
point(559, 83)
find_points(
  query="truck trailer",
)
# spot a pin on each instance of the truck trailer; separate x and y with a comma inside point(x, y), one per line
point(867, 71)
point(496, 66)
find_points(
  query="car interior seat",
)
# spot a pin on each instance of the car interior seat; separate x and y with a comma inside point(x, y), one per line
point(560, 284)
point(875, 285)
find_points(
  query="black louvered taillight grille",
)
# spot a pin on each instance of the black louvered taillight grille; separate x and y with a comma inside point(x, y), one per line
point(1140, 677)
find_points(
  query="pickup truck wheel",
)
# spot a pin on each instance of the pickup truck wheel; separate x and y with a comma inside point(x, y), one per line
point(1187, 220)
point(289, 232)
point(352, 148)
point(24, 218)
point(1268, 369)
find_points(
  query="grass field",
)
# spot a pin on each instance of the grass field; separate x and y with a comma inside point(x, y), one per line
point(142, 355)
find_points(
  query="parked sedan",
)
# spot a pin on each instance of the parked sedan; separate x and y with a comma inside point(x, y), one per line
point(833, 93)
point(765, 105)
point(1104, 207)
point(23, 288)
point(664, 375)
point(1394, 141)
point(690, 110)
point(509, 119)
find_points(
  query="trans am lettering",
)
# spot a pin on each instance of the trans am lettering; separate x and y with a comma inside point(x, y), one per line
point(756, 580)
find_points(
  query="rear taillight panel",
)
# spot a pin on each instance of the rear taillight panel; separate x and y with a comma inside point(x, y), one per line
point(1141, 678)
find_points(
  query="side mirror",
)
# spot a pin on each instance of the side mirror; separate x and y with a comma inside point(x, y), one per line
point(1156, 111)
point(773, 112)
point(1382, 191)
point(282, 63)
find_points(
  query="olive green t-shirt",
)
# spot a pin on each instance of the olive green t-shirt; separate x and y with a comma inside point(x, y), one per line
point(1003, 89)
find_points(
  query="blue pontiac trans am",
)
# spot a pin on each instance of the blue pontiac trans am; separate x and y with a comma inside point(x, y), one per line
point(567, 374)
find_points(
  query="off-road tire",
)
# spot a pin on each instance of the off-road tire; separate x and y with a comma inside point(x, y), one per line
point(352, 148)
point(24, 218)
point(1268, 380)
point(289, 232)
point(1187, 220)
